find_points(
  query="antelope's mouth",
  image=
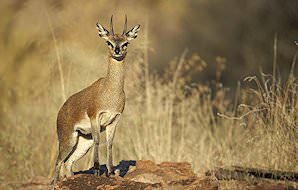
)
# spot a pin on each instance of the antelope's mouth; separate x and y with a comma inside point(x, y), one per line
point(118, 57)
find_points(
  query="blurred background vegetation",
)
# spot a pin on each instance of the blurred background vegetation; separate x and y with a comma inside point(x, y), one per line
point(184, 68)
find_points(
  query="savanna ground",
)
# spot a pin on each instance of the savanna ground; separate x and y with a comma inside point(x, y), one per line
point(50, 50)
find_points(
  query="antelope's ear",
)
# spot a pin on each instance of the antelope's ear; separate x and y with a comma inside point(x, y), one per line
point(133, 33)
point(103, 33)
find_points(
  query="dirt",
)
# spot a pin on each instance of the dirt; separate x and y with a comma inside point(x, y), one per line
point(147, 175)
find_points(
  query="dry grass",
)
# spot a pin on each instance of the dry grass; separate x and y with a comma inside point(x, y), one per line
point(170, 119)
point(167, 117)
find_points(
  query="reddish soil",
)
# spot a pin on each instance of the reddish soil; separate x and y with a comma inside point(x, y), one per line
point(147, 175)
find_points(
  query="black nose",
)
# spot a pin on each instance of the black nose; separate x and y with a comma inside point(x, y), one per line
point(117, 50)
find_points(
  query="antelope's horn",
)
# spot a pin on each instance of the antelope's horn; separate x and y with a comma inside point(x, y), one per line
point(125, 25)
point(111, 25)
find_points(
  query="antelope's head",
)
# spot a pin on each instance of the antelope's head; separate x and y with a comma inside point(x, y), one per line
point(118, 43)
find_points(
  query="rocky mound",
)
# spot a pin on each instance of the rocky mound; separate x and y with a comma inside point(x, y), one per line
point(147, 175)
point(141, 175)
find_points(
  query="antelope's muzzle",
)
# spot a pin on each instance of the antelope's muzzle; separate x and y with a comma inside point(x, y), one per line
point(117, 50)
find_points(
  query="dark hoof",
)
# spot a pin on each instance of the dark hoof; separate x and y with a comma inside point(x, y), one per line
point(111, 172)
point(96, 166)
point(96, 169)
point(97, 172)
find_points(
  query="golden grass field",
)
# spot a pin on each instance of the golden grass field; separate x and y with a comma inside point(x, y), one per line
point(50, 50)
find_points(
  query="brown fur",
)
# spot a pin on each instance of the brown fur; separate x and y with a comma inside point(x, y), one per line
point(105, 93)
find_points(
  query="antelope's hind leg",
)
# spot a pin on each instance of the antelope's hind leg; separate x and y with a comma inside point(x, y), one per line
point(65, 149)
point(84, 143)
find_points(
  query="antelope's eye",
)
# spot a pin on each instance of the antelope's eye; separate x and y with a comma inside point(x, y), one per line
point(110, 44)
point(125, 45)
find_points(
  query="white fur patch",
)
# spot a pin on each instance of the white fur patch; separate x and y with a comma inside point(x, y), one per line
point(84, 124)
point(83, 146)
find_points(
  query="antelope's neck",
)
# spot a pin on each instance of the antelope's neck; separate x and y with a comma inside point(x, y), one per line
point(115, 75)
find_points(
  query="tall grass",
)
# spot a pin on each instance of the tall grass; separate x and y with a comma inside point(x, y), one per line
point(181, 121)
point(168, 118)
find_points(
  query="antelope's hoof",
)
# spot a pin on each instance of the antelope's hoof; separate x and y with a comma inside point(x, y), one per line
point(97, 172)
point(96, 169)
point(96, 166)
point(110, 172)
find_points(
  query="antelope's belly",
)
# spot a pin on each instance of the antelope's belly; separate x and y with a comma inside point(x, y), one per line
point(84, 125)
point(104, 118)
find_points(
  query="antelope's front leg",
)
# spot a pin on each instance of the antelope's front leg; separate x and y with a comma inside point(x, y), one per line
point(95, 136)
point(110, 133)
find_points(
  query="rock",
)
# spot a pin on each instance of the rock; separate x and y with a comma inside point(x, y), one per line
point(270, 186)
point(141, 175)
point(148, 178)
point(92, 182)
point(146, 165)
point(205, 183)
point(171, 175)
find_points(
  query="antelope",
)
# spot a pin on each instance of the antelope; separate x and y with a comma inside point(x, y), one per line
point(96, 108)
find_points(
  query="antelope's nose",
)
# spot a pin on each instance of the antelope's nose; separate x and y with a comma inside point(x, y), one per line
point(117, 50)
